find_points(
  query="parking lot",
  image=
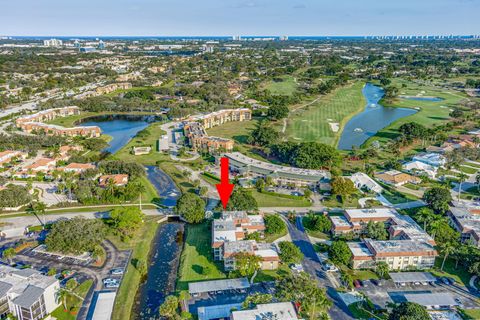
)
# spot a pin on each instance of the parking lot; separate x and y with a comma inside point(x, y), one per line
point(388, 292)
point(228, 297)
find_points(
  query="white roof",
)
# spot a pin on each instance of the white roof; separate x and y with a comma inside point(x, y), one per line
point(104, 306)
point(359, 249)
point(277, 311)
point(432, 299)
point(361, 180)
point(218, 285)
point(406, 277)
point(371, 213)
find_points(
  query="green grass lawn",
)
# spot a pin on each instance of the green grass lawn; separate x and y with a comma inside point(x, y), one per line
point(430, 113)
point(272, 275)
point(312, 122)
point(468, 170)
point(460, 275)
point(334, 202)
point(269, 200)
point(151, 140)
point(285, 87)
point(313, 233)
point(140, 245)
point(238, 132)
point(359, 274)
point(196, 262)
point(150, 194)
point(471, 313)
point(73, 303)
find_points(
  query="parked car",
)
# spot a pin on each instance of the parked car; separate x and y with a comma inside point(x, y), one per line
point(444, 280)
point(296, 267)
point(116, 271)
point(356, 283)
point(377, 282)
point(330, 267)
point(451, 280)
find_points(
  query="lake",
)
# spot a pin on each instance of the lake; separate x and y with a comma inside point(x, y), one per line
point(122, 128)
point(374, 118)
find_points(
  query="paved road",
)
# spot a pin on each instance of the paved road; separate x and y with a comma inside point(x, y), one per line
point(312, 265)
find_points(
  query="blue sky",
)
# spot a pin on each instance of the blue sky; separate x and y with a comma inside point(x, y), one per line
point(238, 17)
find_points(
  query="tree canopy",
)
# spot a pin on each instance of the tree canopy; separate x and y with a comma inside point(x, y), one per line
point(191, 207)
point(438, 198)
point(339, 252)
point(274, 224)
point(125, 221)
point(242, 199)
point(290, 253)
point(409, 311)
point(75, 236)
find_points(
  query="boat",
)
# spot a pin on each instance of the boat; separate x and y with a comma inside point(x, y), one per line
point(358, 130)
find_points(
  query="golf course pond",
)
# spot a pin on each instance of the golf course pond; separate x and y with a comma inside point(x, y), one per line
point(374, 118)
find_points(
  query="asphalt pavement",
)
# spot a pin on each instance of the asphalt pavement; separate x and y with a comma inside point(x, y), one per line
point(312, 265)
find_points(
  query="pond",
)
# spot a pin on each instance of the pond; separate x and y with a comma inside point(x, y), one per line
point(122, 128)
point(162, 271)
point(374, 118)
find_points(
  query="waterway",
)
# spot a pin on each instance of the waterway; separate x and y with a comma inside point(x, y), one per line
point(122, 128)
point(374, 118)
point(167, 244)
point(162, 271)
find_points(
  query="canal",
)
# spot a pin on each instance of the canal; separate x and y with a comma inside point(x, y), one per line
point(374, 118)
point(167, 244)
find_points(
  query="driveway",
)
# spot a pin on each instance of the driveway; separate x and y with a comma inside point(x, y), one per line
point(311, 264)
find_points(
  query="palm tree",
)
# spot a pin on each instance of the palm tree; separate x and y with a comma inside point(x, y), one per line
point(62, 295)
point(461, 178)
point(426, 216)
point(37, 208)
point(477, 181)
point(436, 224)
point(447, 248)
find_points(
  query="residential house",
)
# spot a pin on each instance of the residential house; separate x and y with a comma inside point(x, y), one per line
point(363, 181)
point(420, 168)
point(77, 167)
point(396, 178)
point(433, 159)
point(117, 179)
point(8, 155)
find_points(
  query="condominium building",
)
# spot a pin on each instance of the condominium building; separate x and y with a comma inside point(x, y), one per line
point(52, 43)
point(281, 175)
point(27, 294)
point(228, 234)
point(77, 167)
point(200, 140)
point(466, 220)
point(223, 116)
point(408, 245)
point(113, 87)
point(35, 122)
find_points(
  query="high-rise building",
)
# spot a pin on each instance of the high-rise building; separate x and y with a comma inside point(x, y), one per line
point(52, 43)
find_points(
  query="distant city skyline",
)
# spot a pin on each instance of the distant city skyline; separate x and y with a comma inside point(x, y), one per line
point(238, 17)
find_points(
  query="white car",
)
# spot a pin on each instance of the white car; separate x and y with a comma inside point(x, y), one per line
point(330, 267)
point(297, 267)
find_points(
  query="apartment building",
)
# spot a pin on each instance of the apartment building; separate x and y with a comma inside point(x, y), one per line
point(42, 165)
point(27, 294)
point(200, 140)
point(408, 245)
point(228, 234)
point(280, 175)
point(466, 220)
point(35, 123)
point(223, 116)
point(113, 87)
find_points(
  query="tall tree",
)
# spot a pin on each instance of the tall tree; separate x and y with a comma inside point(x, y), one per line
point(191, 207)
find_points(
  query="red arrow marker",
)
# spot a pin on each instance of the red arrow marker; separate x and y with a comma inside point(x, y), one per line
point(224, 188)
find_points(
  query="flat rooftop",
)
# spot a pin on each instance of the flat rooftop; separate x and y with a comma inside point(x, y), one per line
point(268, 168)
point(400, 246)
point(277, 311)
point(432, 299)
point(218, 285)
point(372, 213)
point(359, 249)
point(410, 277)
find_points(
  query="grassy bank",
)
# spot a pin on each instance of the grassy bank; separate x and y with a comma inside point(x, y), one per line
point(73, 303)
point(140, 246)
point(430, 113)
point(313, 122)
point(196, 262)
point(278, 200)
